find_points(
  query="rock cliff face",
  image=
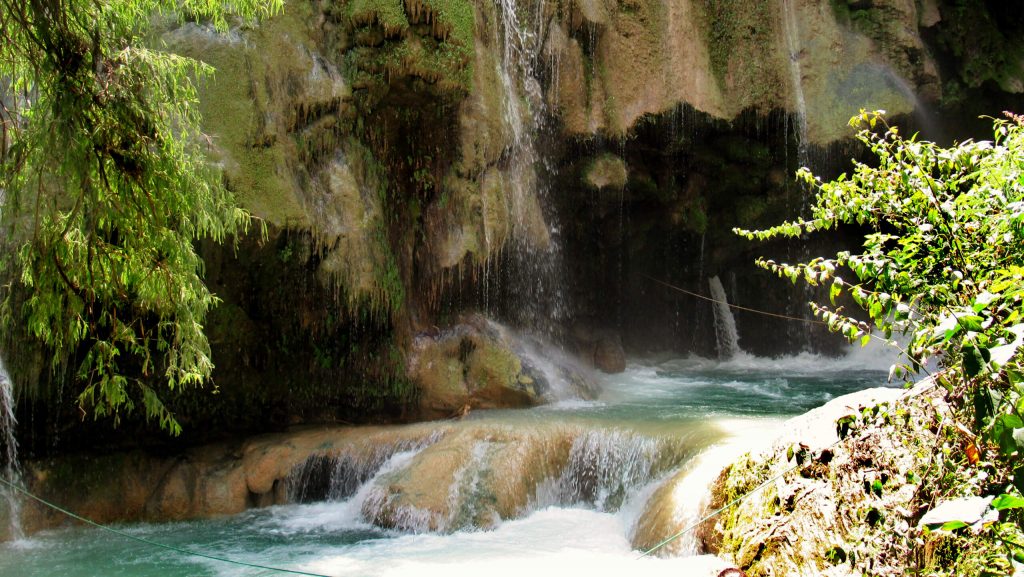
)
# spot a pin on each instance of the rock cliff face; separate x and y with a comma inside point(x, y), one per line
point(414, 160)
point(539, 162)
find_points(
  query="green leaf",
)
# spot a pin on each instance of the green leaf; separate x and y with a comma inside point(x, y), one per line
point(1004, 501)
point(843, 425)
point(983, 407)
point(974, 359)
point(971, 323)
point(982, 301)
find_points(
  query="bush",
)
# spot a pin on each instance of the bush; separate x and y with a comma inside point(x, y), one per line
point(943, 264)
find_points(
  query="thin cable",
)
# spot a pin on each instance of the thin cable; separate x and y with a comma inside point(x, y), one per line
point(887, 342)
point(154, 543)
point(737, 307)
point(719, 511)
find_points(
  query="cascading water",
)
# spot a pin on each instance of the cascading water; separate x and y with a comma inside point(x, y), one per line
point(798, 335)
point(537, 279)
point(791, 31)
point(727, 339)
point(10, 470)
point(606, 467)
point(336, 477)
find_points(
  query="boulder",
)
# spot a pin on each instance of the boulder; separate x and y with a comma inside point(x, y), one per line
point(477, 364)
point(606, 171)
point(806, 495)
point(609, 356)
point(471, 479)
point(601, 347)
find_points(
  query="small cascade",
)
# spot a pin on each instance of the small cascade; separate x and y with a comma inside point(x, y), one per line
point(536, 279)
point(682, 500)
point(479, 475)
point(604, 467)
point(339, 476)
point(470, 488)
point(727, 339)
point(10, 470)
point(559, 375)
point(791, 31)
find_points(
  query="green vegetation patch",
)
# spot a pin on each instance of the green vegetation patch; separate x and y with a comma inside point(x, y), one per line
point(432, 41)
point(940, 264)
point(741, 36)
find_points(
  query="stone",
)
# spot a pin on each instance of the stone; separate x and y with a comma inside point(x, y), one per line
point(969, 510)
point(606, 171)
point(601, 347)
point(609, 356)
point(470, 479)
point(265, 465)
point(791, 515)
point(469, 365)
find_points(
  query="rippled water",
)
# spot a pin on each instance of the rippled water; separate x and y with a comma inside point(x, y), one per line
point(704, 400)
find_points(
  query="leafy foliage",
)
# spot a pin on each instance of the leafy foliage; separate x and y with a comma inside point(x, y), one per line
point(942, 264)
point(106, 189)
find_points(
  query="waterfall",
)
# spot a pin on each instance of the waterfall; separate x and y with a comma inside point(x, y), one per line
point(338, 476)
point(535, 284)
point(791, 31)
point(727, 339)
point(606, 467)
point(475, 476)
point(10, 471)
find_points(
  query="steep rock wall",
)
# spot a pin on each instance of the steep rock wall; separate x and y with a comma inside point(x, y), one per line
point(378, 140)
point(382, 136)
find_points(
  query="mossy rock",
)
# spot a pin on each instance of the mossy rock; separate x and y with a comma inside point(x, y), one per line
point(606, 171)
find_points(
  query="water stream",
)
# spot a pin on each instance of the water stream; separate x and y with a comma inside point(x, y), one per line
point(791, 31)
point(536, 289)
point(665, 420)
point(727, 339)
point(10, 469)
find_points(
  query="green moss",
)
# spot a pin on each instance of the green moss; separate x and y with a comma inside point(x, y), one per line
point(737, 481)
point(610, 107)
point(696, 218)
point(389, 14)
point(742, 39)
point(643, 186)
point(490, 365)
point(982, 51)
point(606, 171)
point(234, 103)
point(387, 293)
point(749, 210)
point(458, 17)
point(442, 56)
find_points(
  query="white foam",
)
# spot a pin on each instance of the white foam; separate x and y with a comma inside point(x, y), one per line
point(334, 516)
point(551, 541)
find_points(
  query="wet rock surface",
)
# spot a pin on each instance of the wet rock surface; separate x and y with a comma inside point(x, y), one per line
point(479, 364)
point(829, 504)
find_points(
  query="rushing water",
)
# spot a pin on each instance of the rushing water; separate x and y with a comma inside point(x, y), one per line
point(535, 252)
point(791, 32)
point(569, 526)
point(10, 470)
point(726, 338)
